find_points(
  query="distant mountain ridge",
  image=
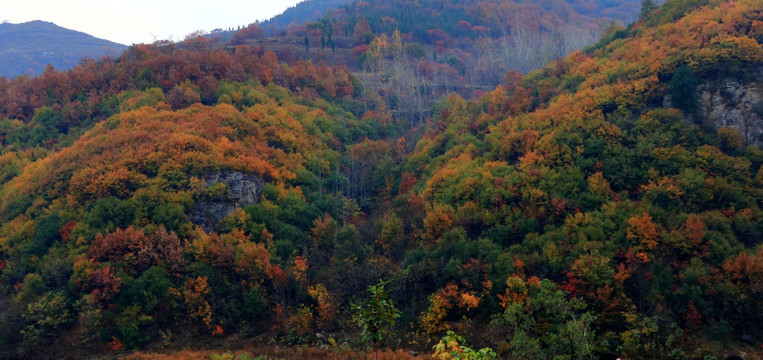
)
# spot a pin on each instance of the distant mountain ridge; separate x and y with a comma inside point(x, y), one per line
point(304, 12)
point(27, 48)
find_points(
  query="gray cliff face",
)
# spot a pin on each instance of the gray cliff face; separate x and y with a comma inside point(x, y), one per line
point(243, 190)
point(733, 104)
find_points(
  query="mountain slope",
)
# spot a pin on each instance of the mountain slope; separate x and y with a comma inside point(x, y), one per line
point(578, 176)
point(26, 48)
point(195, 195)
point(304, 12)
point(160, 170)
point(415, 52)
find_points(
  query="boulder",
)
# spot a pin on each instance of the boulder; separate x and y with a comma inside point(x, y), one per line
point(243, 190)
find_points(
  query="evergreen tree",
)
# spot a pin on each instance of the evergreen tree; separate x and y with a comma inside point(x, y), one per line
point(683, 88)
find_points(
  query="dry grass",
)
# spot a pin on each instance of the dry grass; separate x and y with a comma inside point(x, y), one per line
point(276, 352)
point(183, 354)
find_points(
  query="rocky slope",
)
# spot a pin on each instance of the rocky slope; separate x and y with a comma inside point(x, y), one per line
point(735, 104)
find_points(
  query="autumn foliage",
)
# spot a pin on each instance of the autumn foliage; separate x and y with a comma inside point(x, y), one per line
point(564, 210)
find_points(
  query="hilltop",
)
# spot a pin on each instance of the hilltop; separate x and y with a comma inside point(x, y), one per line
point(303, 12)
point(28, 47)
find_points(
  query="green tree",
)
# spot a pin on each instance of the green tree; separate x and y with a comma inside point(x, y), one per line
point(683, 88)
point(376, 316)
point(129, 324)
point(548, 325)
point(415, 51)
point(647, 6)
point(148, 290)
point(44, 317)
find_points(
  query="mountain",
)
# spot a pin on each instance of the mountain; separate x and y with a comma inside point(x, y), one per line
point(304, 12)
point(603, 174)
point(415, 52)
point(28, 47)
point(192, 196)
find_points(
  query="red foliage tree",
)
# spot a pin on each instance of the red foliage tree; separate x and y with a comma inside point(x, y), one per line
point(135, 251)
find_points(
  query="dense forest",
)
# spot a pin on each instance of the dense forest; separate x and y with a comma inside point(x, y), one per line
point(203, 193)
point(413, 53)
point(304, 12)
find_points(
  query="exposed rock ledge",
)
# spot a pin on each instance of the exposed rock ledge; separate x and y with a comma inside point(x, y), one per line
point(243, 190)
point(735, 105)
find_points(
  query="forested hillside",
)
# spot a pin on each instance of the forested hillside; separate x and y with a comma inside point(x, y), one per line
point(195, 195)
point(117, 156)
point(574, 179)
point(414, 52)
point(303, 12)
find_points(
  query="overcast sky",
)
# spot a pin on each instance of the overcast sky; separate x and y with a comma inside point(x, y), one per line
point(142, 21)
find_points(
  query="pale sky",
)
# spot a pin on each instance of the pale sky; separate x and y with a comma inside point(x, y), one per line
point(142, 21)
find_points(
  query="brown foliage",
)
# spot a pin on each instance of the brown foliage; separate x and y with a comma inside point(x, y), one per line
point(135, 251)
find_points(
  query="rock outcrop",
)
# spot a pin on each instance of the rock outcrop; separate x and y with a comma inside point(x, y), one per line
point(242, 190)
point(734, 104)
